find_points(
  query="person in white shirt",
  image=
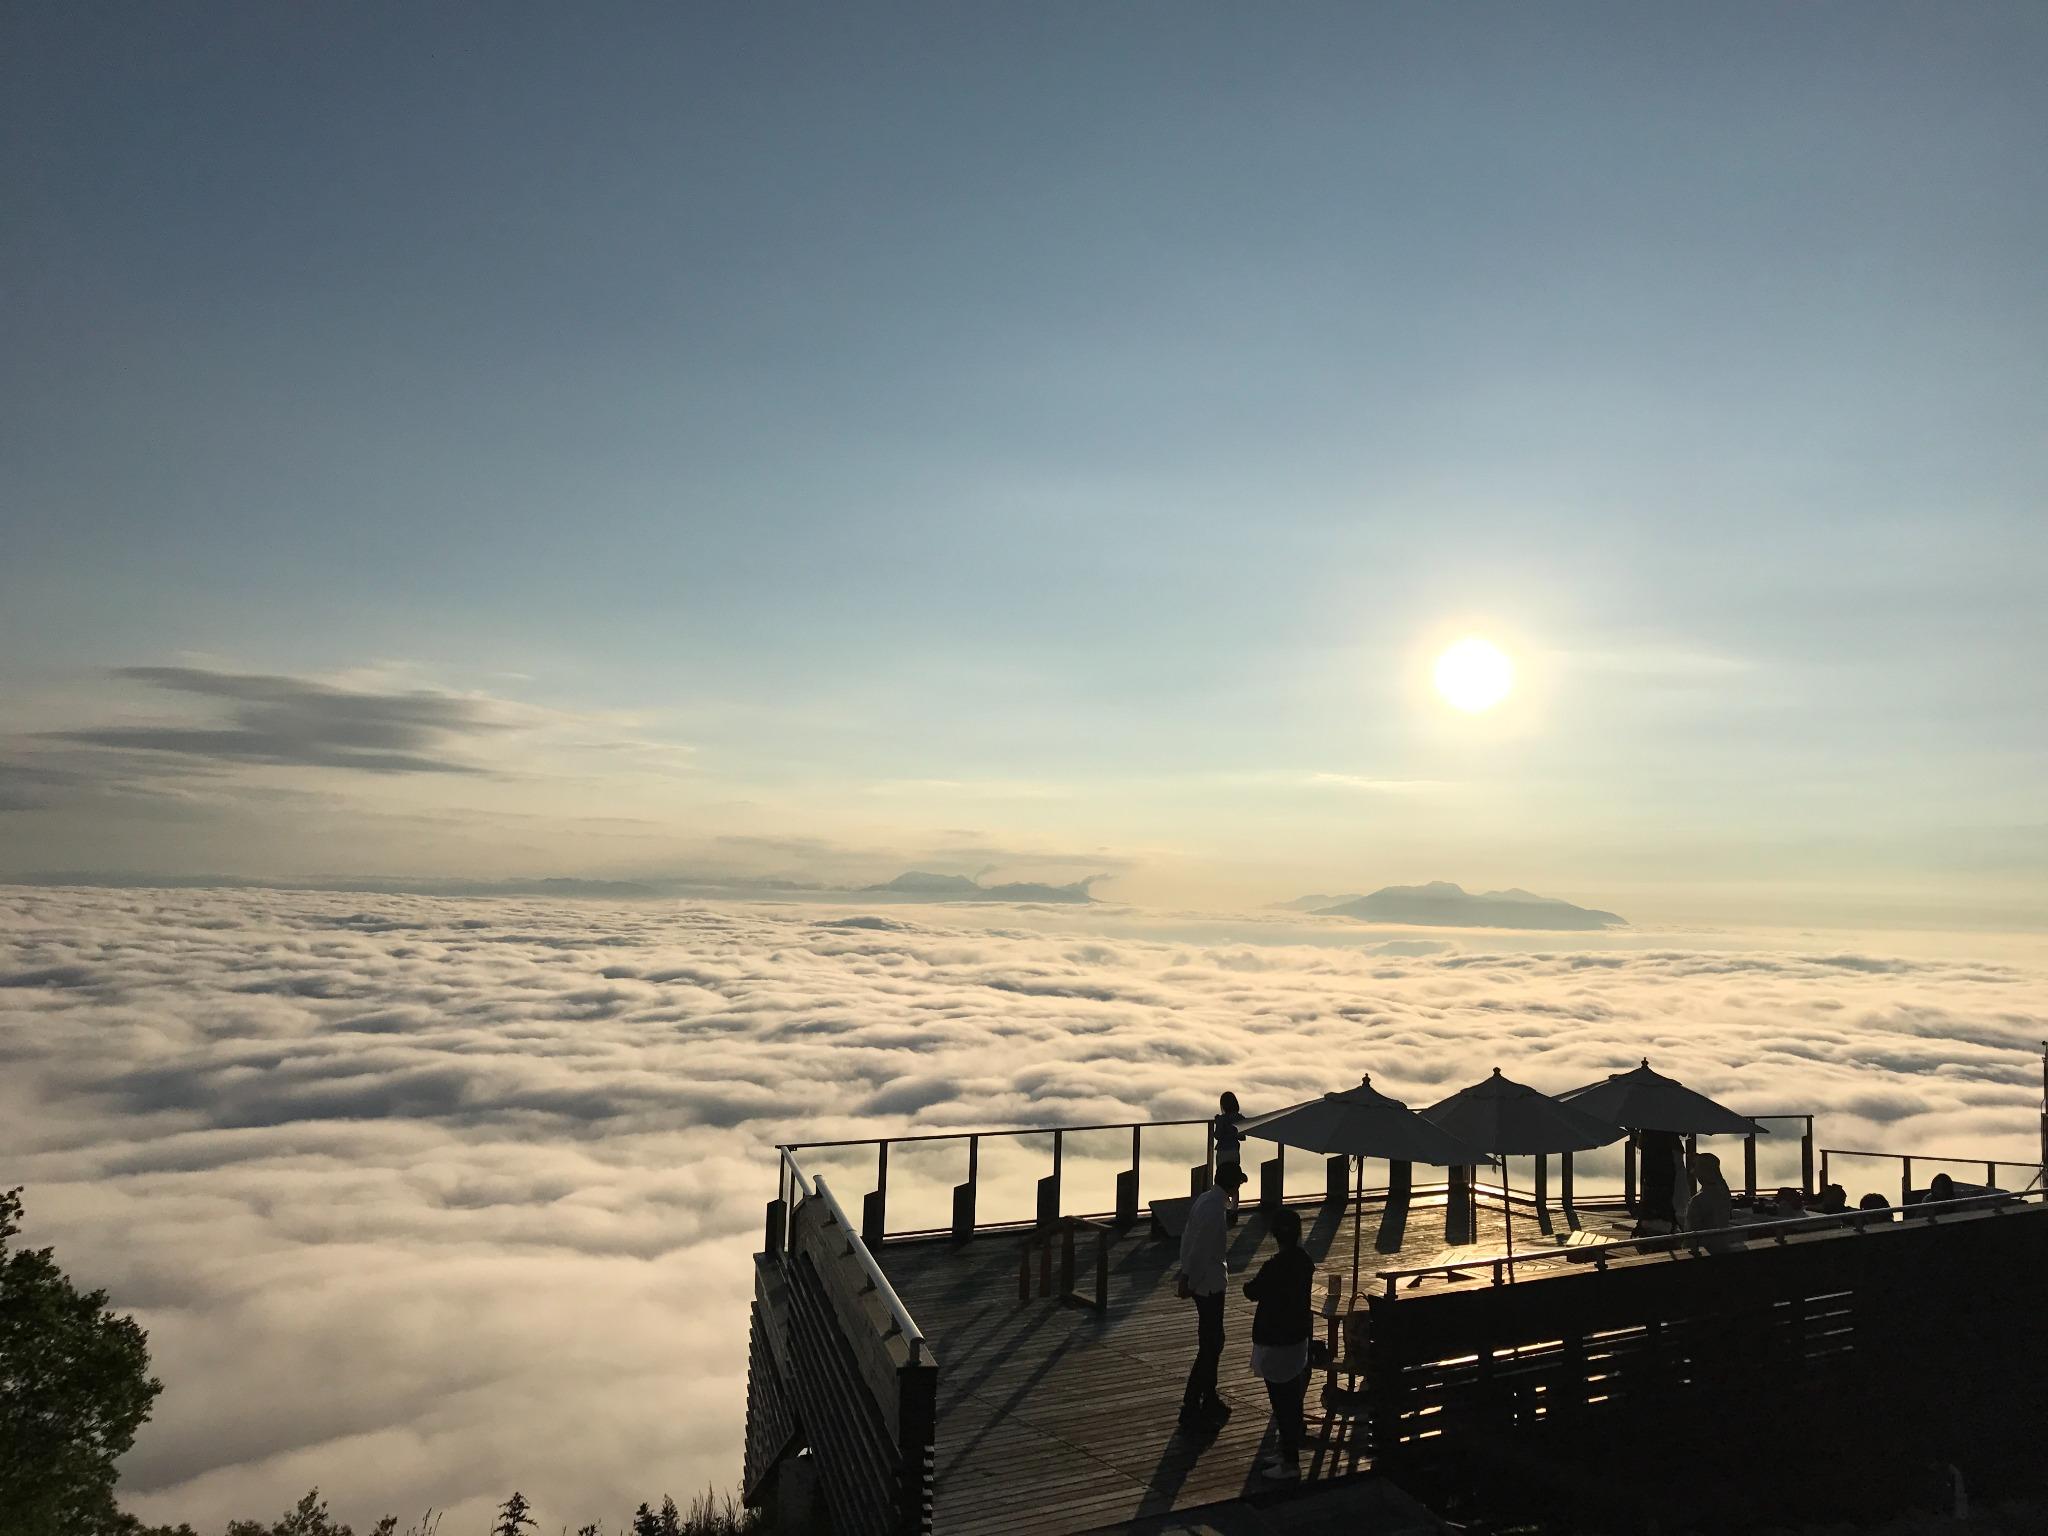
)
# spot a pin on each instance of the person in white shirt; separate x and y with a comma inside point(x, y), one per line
point(1204, 1272)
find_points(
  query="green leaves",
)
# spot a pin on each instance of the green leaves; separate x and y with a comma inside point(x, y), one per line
point(74, 1388)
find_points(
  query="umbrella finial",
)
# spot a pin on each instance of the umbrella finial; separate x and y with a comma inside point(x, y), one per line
point(1365, 1079)
point(1646, 1061)
point(1496, 1071)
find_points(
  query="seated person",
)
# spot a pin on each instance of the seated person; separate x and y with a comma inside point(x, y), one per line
point(1873, 1207)
point(1940, 1187)
point(1833, 1200)
point(1787, 1202)
point(1714, 1206)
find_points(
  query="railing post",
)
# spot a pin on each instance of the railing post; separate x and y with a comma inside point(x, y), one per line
point(1049, 1186)
point(964, 1195)
point(1824, 1168)
point(1458, 1207)
point(1542, 1194)
point(1806, 1159)
point(874, 1210)
point(1127, 1187)
point(1337, 1179)
point(1991, 1175)
point(1628, 1172)
point(1564, 1190)
point(1749, 1165)
point(1905, 1180)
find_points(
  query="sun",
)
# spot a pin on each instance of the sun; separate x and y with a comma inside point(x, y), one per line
point(1474, 675)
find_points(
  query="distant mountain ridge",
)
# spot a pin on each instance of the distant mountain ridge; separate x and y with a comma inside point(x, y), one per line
point(922, 885)
point(1440, 904)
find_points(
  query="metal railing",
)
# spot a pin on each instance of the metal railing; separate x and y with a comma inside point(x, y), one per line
point(1267, 1185)
point(1907, 1159)
point(875, 1227)
point(1670, 1245)
point(811, 1187)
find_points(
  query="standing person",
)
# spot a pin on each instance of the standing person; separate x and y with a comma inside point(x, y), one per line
point(1204, 1271)
point(1229, 1143)
point(1280, 1335)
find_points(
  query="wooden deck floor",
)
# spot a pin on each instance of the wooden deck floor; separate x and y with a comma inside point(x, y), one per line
point(1060, 1419)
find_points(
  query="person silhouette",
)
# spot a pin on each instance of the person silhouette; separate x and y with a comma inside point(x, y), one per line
point(1204, 1271)
point(1229, 1141)
point(1280, 1333)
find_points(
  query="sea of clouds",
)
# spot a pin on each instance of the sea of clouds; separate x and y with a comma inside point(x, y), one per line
point(421, 1199)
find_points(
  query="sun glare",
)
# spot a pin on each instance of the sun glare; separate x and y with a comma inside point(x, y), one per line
point(1474, 674)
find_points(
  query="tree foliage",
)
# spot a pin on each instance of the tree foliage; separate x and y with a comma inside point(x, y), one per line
point(515, 1516)
point(74, 1388)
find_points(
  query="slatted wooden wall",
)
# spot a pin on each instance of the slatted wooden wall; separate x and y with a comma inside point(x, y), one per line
point(865, 1411)
point(1908, 1321)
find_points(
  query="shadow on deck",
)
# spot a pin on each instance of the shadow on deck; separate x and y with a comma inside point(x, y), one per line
point(1058, 1418)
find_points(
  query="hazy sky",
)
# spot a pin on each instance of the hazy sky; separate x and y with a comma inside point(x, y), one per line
point(812, 440)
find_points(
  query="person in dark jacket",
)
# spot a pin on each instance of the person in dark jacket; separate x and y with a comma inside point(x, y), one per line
point(1280, 1334)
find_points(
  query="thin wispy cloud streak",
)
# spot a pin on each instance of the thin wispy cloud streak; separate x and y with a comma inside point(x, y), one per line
point(422, 1197)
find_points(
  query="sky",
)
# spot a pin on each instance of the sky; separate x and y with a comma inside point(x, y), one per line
point(422, 1199)
point(810, 442)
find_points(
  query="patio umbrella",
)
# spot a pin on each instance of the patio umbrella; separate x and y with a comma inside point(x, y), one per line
point(1506, 1117)
point(1644, 1100)
point(1359, 1123)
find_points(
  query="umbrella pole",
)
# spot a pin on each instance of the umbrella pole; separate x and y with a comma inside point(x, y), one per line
point(1507, 1212)
point(1357, 1200)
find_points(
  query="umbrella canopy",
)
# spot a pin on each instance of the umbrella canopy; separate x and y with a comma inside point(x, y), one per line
point(1363, 1122)
point(1506, 1117)
point(1648, 1101)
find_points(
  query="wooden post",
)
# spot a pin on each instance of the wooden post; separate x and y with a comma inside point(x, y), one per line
point(1066, 1259)
point(1049, 1188)
point(1101, 1271)
point(1749, 1165)
point(1198, 1178)
point(1394, 1214)
point(1272, 1181)
point(1059, 1146)
point(778, 1226)
point(964, 1194)
point(1991, 1175)
point(1905, 1180)
point(1806, 1159)
point(1127, 1197)
point(1543, 1194)
point(1628, 1173)
point(1458, 1207)
point(874, 1210)
point(1337, 1180)
point(1564, 1191)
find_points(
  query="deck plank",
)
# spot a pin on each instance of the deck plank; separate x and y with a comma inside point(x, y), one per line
point(1058, 1419)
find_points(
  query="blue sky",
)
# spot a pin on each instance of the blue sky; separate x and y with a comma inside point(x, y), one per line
point(806, 439)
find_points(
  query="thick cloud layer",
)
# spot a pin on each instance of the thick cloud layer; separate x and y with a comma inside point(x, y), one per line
point(421, 1199)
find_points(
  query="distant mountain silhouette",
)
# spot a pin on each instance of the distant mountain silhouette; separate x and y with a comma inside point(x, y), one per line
point(922, 885)
point(1441, 904)
point(1313, 903)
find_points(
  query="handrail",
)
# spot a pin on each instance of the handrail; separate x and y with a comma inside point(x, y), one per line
point(1668, 1243)
point(1028, 1130)
point(1932, 1157)
point(906, 1325)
